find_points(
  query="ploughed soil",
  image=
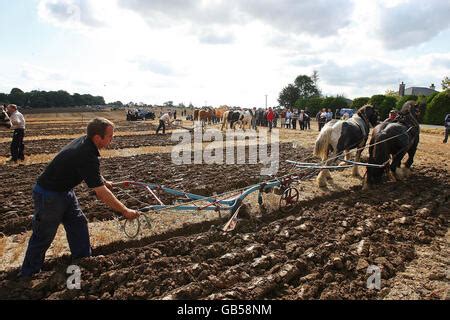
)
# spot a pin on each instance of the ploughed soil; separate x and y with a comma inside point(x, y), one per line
point(119, 142)
point(66, 128)
point(16, 208)
point(320, 250)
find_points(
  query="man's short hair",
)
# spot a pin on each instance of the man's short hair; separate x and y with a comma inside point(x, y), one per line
point(98, 126)
point(12, 106)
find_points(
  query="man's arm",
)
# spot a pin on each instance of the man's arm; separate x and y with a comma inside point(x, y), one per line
point(108, 198)
point(107, 183)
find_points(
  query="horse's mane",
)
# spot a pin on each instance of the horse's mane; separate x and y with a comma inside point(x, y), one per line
point(407, 106)
point(363, 108)
point(407, 115)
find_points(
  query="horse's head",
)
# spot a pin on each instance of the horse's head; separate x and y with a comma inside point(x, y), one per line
point(4, 119)
point(369, 113)
point(410, 107)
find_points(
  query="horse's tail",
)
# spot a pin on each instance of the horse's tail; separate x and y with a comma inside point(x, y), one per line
point(323, 142)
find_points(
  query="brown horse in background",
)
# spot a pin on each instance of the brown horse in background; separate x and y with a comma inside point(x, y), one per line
point(203, 115)
point(220, 111)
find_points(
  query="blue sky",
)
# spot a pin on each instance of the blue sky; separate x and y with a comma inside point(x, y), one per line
point(221, 52)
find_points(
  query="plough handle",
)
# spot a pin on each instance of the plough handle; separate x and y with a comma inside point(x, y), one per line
point(126, 184)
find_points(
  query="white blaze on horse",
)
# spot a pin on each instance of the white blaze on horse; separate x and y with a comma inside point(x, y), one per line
point(341, 136)
point(4, 119)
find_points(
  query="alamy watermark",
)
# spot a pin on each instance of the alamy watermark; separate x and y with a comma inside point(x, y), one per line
point(74, 280)
point(374, 281)
point(191, 148)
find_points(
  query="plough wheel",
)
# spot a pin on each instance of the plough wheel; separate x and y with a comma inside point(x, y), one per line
point(131, 228)
point(289, 199)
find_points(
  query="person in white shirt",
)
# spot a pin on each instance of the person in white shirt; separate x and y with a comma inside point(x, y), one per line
point(165, 119)
point(288, 119)
point(18, 125)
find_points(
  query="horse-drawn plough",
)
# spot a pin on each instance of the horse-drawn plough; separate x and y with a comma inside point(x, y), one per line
point(232, 201)
point(285, 185)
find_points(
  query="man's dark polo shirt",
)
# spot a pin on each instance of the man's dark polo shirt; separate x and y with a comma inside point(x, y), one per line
point(76, 162)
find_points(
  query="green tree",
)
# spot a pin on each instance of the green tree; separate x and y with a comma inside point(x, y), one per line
point(288, 96)
point(4, 98)
point(313, 105)
point(431, 97)
point(168, 104)
point(306, 87)
point(63, 99)
point(389, 103)
point(38, 99)
point(403, 99)
point(438, 108)
point(116, 103)
point(17, 97)
point(445, 83)
point(334, 103)
point(315, 78)
point(377, 100)
point(359, 102)
point(99, 100)
point(391, 93)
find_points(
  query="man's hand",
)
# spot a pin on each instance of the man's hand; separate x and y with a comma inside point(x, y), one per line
point(108, 198)
point(130, 214)
point(108, 184)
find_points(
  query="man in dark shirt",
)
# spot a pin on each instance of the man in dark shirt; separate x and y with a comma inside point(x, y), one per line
point(55, 201)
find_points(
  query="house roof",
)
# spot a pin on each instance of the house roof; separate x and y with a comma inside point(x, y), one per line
point(419, 91)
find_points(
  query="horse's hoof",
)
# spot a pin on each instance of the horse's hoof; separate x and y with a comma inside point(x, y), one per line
point(392, 176)
point(400, 173)
point(407, 172)
point(321, 183)
point(356, 174)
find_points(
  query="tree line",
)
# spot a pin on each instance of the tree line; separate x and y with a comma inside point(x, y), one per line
point(49, 99)
point(305, 94)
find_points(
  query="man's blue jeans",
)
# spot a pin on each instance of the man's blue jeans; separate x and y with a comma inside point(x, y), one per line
point(50, 210)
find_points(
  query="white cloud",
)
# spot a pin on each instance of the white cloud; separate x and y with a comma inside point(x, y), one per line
point(69, 13)
point(158, 67)
point(234, 52)
point(308, 16)
point(413, 22)
point(215, 37)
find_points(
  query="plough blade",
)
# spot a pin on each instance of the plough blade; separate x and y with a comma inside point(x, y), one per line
point(231, 224)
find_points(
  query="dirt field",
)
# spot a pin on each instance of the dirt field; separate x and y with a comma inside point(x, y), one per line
point(320, 250)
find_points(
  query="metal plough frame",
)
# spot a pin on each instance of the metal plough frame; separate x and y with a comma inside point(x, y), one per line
point(232, 204)
point(282, 186)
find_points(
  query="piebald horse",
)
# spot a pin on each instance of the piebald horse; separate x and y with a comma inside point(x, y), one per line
point(341, 136)
point(393, 139)
point(237, 117)
point(4, 119)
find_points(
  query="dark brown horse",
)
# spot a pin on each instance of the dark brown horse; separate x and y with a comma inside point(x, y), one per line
point(390, 141)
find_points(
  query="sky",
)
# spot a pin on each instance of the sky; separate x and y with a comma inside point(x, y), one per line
point(221, 52)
